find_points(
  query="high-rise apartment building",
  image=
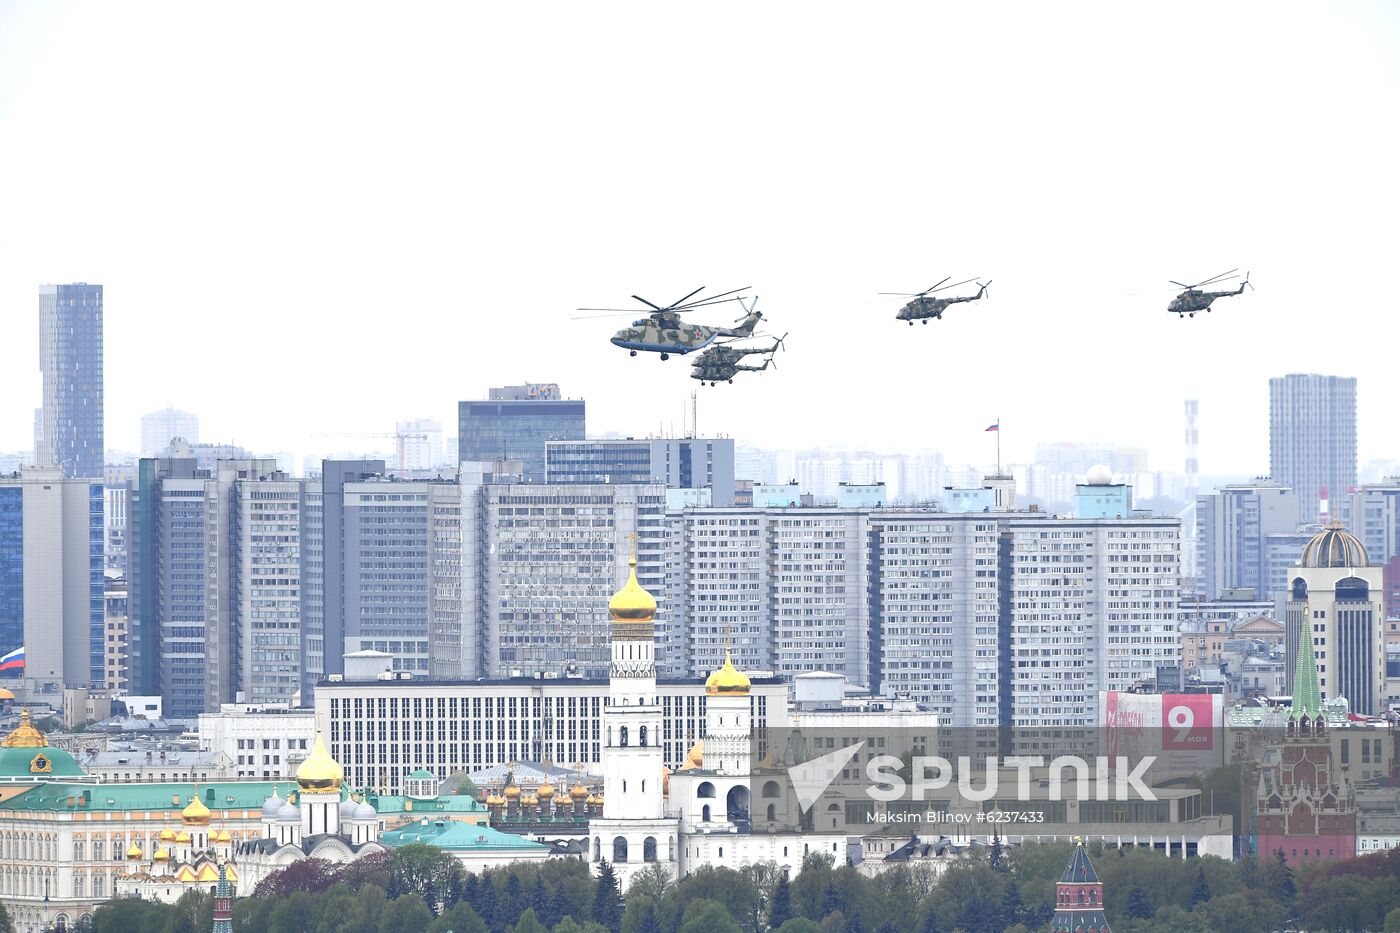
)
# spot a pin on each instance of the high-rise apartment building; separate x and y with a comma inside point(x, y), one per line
point(70, 356)
point(51, 580)
point(402, 559)
point(515, 423)
point(783, 588)
point(1312, 438)
point(215, 604)
point(1373, 515)
point(159, 428)
point(1232, 529)
point(540, 563)
point(678, 463)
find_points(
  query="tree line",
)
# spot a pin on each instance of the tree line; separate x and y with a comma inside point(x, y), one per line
point(420, 889)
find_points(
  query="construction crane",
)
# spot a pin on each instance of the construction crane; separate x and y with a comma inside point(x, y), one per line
point(400, 438)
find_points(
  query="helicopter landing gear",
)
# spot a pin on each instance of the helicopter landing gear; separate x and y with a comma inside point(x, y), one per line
point(631, 352)
point(731, 382)
point(665, 356)
point(911, 323)
point(925, 320)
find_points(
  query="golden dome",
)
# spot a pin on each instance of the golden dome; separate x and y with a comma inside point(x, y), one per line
point(728, 680)
point(632, 603)
point(593, 801)
point(196, 814)
point(512, 792)
point(167, 835)
point(1334, 546)
point(665, 781)
point(5, 694)
point(161, 855)
point(223, 835)
point(183, 838)
point(320, 772)
point(134, 852)
point(579, 791)
point(695, 758)
point(25, 735)
point(530, 800)
point(495, 800)
point(546, 791)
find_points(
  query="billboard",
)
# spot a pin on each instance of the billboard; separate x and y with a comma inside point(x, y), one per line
point(1183, 728)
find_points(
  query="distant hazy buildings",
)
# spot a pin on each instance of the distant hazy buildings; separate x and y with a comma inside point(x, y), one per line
point(515, 423)
point(420, 444)
point(1372, 512)
point(677, 463)
point(1312, 438)
point(159, 428)
point(51, 579)
point(70, 356)
point(1232, 531)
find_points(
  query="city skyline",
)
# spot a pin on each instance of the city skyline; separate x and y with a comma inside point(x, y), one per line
point(1081, 238)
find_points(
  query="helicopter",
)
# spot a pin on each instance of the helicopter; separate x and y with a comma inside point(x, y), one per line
point(1191, 300)
point(663, 331)
point(924, 307)
point(720, 363)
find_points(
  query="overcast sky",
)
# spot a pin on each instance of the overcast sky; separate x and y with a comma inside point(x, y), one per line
point(329, 217)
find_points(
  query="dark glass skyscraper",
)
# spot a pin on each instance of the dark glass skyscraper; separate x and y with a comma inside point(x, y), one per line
point(70, 356)
point(517, 428)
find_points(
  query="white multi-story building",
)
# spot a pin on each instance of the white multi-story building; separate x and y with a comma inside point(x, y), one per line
point(1090, 605)
point(266, 742)
point(419, 444)
point(1232, 529)
point(383, 730)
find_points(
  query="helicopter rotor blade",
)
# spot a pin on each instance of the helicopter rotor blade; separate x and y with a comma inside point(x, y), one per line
point(612, 312)
point(903, 294)
point(1175, 282)
point(647, 303)
point(934, 286)
point(708, 299)
point(1216, 278)
point(955, 284)
point(677, 304)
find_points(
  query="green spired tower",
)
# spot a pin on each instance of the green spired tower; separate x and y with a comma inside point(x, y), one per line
point(223, 903)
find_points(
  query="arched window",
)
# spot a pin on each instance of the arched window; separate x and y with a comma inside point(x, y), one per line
point(649, 849)
point(620, 849)
point(642, 736)
point(622, 736)
point(597, 849)
point(706, 789)
point(772, 812)
point(1300, 589)
point(705, 813)
point(771, 790)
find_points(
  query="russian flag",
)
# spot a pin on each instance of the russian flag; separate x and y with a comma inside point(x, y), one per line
point(994, 427)
point(12, 661)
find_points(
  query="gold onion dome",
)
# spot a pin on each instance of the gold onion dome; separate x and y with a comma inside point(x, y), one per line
point(495, 800)
point(183, 838)
point(728, 680)
point(579, 792)
point(167, 835)
point(546, 790)
point(320, 771)
point(161, 855)
point(196, 814)
point(530, 800)
point(512, 792)
point(223, 835)
point(25, 735)
point(696, 756)
point(134, 852)
point(632, 603)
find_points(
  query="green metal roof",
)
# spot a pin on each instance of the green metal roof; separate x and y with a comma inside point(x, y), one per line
point(460, 803)
point(458, 836)
point(17, 764)
point(1307, 698)
point(231, 795)
point(423, 775)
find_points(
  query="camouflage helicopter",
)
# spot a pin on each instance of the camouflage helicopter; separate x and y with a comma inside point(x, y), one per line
point(924, 307)
point(720, 363)
point(1191, 300)
point(663, 331)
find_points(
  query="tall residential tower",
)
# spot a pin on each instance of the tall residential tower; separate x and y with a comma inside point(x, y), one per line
point(70, 356)
point(1312, 437)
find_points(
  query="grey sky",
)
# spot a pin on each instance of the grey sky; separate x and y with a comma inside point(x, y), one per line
point(327, 217)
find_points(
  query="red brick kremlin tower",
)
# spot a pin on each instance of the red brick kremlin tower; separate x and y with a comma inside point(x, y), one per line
point(1079, 896)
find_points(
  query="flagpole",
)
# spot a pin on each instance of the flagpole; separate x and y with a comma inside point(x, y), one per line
point(998, 445)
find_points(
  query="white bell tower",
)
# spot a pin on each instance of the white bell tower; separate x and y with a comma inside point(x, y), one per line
point(633, 831)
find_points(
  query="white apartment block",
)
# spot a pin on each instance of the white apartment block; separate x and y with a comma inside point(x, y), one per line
point(1091, 605)
point(381, 731)
point(259, 741)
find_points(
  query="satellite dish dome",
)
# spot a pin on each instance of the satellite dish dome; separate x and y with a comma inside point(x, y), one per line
point(1099, 475)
